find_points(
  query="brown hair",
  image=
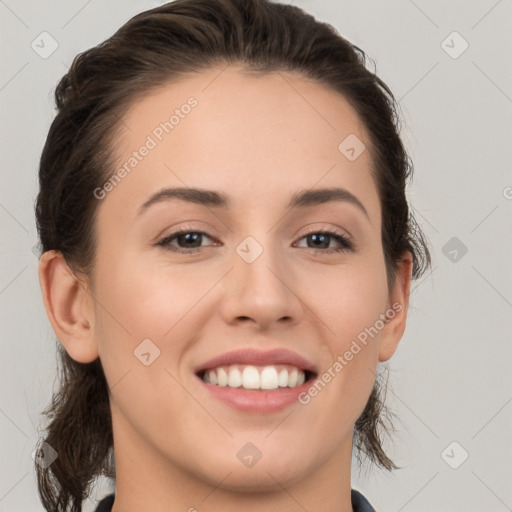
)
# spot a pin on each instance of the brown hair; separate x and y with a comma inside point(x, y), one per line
point(152, 49)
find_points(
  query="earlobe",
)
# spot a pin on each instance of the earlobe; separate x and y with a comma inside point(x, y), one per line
point(69, 315)
point(398, 307)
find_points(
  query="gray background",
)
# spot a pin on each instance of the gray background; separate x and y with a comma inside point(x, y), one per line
point(450, 378)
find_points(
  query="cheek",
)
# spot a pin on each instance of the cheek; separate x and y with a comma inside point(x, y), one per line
point(350, 301)
point(148, 300)
point(145, 310)
point(348, 298)
point(141, 301)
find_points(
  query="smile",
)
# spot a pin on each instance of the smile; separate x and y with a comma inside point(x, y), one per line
point(255, 381)
point(253, 377)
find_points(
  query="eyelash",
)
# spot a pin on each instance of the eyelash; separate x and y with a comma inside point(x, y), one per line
point(346, 244)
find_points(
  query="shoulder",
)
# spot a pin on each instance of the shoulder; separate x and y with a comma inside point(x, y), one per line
point(360, 503)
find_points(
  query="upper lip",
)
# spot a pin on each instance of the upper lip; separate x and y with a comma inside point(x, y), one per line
point(258, 357)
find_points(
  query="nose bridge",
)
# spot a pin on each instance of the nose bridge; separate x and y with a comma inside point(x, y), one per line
point(259, 284)
point(258, 261)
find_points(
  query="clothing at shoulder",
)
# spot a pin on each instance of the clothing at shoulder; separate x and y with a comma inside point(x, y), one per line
point(106, 504)
point(359, 503)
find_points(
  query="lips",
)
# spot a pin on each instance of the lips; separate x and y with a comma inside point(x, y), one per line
point(258, 358)
point(247, 368)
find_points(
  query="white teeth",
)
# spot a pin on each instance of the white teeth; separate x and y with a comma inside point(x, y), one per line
point(283, 378)
point(292, 378)
point(212, 376)
point(252, 377)
point(222, 377)
point(234, 378)
point(269, 378)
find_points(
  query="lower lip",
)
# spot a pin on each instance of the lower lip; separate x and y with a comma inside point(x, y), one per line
point(255, 400)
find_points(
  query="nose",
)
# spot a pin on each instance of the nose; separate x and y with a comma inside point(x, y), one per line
point(261, 291)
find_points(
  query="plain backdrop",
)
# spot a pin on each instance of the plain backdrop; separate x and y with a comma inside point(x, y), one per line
point(448, 62)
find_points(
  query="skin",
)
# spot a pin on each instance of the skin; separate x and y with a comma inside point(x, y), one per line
point(258, 139)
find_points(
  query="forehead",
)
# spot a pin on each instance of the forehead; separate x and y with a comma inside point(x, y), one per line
point(226, 128)
point(233, 99)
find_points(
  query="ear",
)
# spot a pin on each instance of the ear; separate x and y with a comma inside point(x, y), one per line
point(398, 306)
point(68, 307)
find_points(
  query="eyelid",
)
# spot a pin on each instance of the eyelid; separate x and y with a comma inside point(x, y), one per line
point(330, 229)
point(187, 228)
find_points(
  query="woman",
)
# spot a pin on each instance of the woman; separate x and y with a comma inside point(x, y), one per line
point(227, 257)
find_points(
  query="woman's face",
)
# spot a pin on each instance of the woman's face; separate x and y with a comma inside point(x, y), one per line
point(254, 274)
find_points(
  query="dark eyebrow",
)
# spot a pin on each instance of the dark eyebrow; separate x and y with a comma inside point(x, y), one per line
point(302, 199)
point(192, 195)
point(313, 197)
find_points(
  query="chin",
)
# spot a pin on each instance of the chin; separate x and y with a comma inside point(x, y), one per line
point(270, 473)
point(264, 479)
